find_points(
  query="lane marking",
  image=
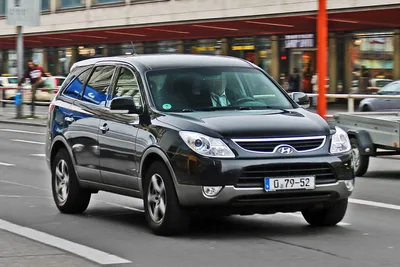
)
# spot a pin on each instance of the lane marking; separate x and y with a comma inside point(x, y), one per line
point(38, 155)
point(118, 205)
point(27, 141)
point(24, 185)
point(6, 164)
point(20, 131)
point(374, 204)
point(89, 253)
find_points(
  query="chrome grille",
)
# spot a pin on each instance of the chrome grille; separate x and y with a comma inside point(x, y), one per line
point(270, 145)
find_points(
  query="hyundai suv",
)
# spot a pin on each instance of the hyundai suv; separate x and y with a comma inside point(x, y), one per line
point(194, 135)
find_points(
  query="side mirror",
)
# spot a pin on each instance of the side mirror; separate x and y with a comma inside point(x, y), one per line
point(302, 99)
point(123, 105)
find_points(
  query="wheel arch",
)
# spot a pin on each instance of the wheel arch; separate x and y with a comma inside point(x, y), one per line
point(151, 155)
point(364, 141)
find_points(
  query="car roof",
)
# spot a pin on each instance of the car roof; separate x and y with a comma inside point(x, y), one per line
point(166, 61)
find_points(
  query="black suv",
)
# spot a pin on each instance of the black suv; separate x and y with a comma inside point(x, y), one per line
point(194, 135)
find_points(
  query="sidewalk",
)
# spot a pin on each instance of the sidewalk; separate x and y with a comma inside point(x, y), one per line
point(16, 251)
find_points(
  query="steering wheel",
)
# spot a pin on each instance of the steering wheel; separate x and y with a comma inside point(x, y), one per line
point(244, 100)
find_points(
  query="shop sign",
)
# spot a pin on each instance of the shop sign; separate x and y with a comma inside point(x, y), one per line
point(243, 47)
point(299, 41)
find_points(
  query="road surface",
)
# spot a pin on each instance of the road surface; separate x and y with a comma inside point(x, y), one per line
point(113, 230)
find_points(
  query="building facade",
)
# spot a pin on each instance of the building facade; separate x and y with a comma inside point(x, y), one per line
point(277, 35)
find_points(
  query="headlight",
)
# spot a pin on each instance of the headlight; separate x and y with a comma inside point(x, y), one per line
point(206, 146)
point(340, 142)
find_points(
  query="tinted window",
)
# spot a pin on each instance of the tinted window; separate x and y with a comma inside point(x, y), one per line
point(98, 85)
point(127, 85)
point(214, 88)
point(12, 80)
point(75, 88)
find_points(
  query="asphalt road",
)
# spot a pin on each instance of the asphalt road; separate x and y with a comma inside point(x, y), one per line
point(368, 236)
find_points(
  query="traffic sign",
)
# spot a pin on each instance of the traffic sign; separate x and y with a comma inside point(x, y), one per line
point(23, 12)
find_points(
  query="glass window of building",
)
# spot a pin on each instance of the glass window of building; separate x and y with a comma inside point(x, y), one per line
point(86, 52)
point(3, 7)
point(65, 60)
point(107, 1)
point(12, 62)
point(167, 47)
point(71, 3)
point(45, 5)
point(206, 47)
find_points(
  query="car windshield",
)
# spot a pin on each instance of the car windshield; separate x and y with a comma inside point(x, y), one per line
point(208, 89)
point(382, 83)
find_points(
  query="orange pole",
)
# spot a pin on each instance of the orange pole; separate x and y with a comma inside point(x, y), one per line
point(322, 56)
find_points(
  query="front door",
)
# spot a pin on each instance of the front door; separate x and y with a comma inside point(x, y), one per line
point(117, 138)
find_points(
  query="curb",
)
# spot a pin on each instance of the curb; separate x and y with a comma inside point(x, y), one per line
point(17, 122)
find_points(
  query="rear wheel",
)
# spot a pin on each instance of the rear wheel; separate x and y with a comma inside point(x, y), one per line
point(67, 193)
point(361, 162)
point(328, 216)
point(163, 212)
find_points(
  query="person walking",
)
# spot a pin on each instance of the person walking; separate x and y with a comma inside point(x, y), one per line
point(34, 73)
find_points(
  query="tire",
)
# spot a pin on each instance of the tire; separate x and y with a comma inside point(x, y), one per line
point(366, 108)
point(69, 197)
point(329, 216)
point(361, 162)
point(159, 192)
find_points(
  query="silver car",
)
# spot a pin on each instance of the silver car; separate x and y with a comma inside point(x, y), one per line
point(383, 104)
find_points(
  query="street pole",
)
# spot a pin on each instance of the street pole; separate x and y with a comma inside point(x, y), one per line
point(322, 56)
point(20, 68)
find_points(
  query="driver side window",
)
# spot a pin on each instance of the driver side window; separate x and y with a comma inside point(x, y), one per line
point(127, 85)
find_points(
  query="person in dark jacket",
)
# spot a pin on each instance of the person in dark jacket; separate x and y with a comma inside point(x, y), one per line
point(34, 73)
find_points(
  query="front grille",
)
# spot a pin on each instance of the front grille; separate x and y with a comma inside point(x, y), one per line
point(269, 145)
point(254, 176)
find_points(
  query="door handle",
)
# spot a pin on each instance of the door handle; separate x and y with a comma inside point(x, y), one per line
point(69, 119)
point(104, 128)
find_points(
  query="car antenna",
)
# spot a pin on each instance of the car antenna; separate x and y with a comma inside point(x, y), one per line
point(134, 49)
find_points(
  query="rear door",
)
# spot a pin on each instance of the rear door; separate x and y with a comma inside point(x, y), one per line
point(85, 121)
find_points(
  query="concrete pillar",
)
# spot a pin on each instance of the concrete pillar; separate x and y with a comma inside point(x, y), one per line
point(396, 55)
point(88, 4)
point(45, 61)
point(332, 66)
point(74, 56)
point(4, 66)
point(224, 47)
point(105, 50)
point(180, 47)
point(139, 48)
point(275, 57)
point(54, 4)
point(348, 65)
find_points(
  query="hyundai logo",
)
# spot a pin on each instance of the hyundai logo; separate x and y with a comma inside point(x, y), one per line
point(286, 150)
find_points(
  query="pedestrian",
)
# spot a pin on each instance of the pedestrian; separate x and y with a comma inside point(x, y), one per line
point(35, 74)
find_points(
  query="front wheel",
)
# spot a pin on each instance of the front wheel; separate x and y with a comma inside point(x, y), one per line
point(67, 193)
point(163, 212)
point(328, 216)
point(361, 162)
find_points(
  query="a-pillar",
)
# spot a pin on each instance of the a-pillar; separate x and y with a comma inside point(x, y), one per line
point(396, 55)
point(275, 57)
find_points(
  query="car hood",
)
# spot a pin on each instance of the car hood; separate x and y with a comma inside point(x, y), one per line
point(266, 123)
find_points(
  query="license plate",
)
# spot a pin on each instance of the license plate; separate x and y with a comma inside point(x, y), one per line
point(289, 183)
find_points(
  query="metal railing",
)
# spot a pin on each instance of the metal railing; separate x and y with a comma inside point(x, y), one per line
point(5, 101)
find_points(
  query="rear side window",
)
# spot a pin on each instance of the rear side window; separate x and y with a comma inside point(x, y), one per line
point(75, 88)
point(98, 85)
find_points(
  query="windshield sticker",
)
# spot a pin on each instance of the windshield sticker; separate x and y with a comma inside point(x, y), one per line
point(167, 106)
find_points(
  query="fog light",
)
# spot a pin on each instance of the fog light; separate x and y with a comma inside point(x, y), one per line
point(349, 185)
point(211, 191)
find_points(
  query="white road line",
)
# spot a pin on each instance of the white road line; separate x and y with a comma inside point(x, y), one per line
point(374, 204)
point(91, 254)
point(27, 141)
point(24, 185)
point(6, 164)
point(20, 131)
point(38, 155)
point(118, 205)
